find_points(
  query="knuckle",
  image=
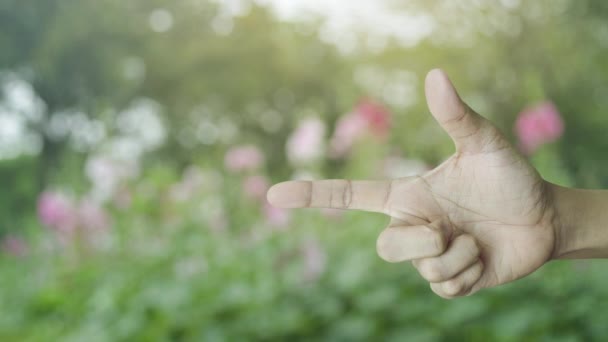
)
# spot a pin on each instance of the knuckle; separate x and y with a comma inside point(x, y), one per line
point(452, 287)
point(471, 245)
point(478, 269)
point(457, 121)
point(467, 240)
point(386, 203)
point(436, 288)
point(437, 240)
point(341, 194)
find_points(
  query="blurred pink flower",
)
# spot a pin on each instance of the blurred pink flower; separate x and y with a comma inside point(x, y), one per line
point(14, 245)
point(57, 211)
point(276, 217)
point(348, 129)
point(538, 125)
point(367, 118)
point(243, 158)
point(305, 144)
point(92, 216)
point(377, 117)
point(70, 220)
point(315, 260)
point(189, 186)
point(255, 187)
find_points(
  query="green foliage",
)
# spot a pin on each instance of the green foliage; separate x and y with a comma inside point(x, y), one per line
point(187, 282)
point(16, 210)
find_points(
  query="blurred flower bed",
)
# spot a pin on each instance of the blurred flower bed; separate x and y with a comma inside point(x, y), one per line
point(157, 255)
point(136, 149)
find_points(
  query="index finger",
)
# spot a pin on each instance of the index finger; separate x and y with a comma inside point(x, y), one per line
point(332, 193)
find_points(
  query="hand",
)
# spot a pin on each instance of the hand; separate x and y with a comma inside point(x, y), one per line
point(482, 218)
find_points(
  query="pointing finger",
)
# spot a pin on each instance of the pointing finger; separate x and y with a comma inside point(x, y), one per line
point(332, 193)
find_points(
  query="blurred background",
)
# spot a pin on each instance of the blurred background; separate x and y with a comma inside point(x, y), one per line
point(138, 138)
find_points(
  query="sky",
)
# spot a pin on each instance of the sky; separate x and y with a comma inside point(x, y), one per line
point(343, 19)
point(372, 17)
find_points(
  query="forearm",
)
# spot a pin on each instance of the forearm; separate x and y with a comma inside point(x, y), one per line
point(581, 223)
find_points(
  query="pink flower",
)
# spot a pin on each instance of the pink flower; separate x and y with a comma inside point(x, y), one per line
point(305, 144)
point(276, 217)
point(14, 245)
point(243, 158)
point(367, 118)
point(348, 130)
point(70, 220)
point(57, 211)
point(538, 125)
point(315, 260)
point(377, 117)
point(255, 187)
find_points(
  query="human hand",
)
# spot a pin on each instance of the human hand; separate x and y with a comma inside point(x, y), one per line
point(482, 218)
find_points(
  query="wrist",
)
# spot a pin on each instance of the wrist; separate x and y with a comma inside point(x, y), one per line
point(579, 223)
point(560, 198)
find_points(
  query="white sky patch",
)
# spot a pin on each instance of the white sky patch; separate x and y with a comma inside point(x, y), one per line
point(344, 18)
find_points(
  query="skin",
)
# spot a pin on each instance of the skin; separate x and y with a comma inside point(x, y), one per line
point(482, 218)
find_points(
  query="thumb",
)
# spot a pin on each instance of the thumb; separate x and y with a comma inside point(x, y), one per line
point(400, 243)
point(470, 132)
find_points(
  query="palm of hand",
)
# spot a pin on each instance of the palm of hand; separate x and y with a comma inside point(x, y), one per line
point(482, 218)
point(497, 198)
